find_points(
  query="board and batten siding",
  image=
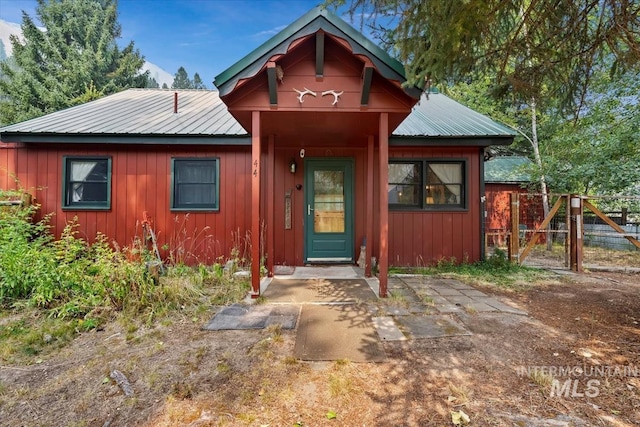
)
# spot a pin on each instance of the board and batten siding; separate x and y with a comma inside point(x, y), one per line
point(140, 181)
point(422, 237)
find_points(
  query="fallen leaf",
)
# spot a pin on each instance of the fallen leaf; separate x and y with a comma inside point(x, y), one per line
point(459, 418)
point(331, 415)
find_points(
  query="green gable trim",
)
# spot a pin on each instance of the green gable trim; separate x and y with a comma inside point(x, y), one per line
point(314, 20)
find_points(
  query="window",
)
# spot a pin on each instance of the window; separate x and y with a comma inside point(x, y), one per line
point(87, 182)
point(427, 184)
point(195, 184)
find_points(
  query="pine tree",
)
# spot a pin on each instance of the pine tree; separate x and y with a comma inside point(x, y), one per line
point(3, 52)
point(181, 80)
point(152, 83)
point(197, 82)
point(75, 59)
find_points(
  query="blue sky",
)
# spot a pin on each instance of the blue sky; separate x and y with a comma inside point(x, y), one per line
point(204, 36)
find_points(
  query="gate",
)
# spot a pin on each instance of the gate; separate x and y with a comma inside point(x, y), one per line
point(562, 238)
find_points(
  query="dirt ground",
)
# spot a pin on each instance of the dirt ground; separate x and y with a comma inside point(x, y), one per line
point(502, 375)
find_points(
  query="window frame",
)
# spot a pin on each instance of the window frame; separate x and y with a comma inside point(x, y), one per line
point(215, 207)
point(67, 204)
point(422, 205)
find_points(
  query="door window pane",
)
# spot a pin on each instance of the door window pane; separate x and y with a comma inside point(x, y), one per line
point(328, 202)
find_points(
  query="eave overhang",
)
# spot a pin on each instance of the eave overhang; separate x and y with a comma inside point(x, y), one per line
point(316, 21)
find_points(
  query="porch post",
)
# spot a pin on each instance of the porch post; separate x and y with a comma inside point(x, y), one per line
point(383, 262)
point(369, 203)
point(271, 161)
point(255, 204)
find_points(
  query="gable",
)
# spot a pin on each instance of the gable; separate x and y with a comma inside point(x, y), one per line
point(318, 20)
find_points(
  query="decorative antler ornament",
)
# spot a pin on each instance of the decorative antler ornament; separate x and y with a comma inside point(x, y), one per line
point(302, 93)
point(335, 95)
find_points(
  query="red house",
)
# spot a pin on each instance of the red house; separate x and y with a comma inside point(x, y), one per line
point(312, 146)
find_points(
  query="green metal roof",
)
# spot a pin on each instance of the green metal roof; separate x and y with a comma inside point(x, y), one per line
point(149, 114)
point(316, 19)
point(507, 169)
point(438, 116)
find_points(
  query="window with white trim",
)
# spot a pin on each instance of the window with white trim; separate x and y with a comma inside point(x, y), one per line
point(86, 183)
point(427, 184)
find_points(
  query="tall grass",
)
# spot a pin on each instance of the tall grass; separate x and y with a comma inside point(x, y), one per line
point(71, 278)
point(495, 270)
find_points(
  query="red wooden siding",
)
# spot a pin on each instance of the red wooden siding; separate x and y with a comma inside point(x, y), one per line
point(141, 180)
point(416, 237)
point(498, 222)
point(424, 237)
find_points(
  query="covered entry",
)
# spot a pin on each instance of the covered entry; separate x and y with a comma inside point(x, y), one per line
point(320, 101)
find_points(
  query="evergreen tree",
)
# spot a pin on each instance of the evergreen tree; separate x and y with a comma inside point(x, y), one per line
point(152, 83)
point(3, 52)
point(74, 60)
point(535, 48)
point(197, 82)
point(181, 80)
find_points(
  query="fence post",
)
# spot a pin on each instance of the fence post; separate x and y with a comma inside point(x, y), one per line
point(576, 233)
point(514, 240)
point(568, 239)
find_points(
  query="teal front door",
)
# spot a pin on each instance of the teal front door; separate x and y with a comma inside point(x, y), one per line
point(328, 210)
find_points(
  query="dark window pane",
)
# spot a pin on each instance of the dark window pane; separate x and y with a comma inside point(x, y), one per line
point(195, 185)
point(87, 182)
point(405, 181)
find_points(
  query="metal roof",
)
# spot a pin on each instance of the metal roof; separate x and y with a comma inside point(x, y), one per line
point(318, 18)
point(136, 115)
point(139, 112)
point(440, 116)
point(507, 169)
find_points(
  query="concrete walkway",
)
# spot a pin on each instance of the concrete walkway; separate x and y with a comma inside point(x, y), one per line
point(417, 306)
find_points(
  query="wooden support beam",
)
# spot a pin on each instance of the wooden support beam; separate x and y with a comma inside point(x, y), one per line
point(273, 83)
point(383, 258)
point(367, 76)
point(319, 54)
point(270, 170)
point(610, 222)
point(369, 202)
point(514, 238)
point(255, 204)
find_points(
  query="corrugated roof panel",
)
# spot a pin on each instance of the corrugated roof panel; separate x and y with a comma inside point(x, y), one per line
point(140, 112)
point(441, 116)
